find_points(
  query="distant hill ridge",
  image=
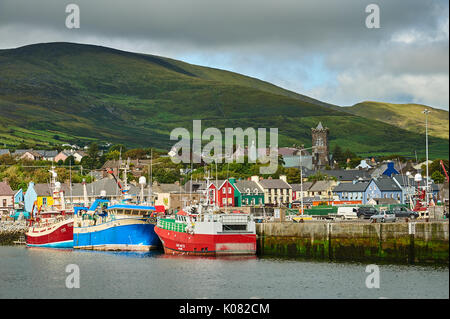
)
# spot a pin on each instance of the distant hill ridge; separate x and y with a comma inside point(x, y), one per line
point(407, 116)
point(52, 93)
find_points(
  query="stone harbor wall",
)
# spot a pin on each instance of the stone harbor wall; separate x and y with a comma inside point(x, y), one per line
point(413, 242)
point(11, 231)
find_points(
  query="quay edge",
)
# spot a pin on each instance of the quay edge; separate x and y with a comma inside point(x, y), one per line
point(407, 243)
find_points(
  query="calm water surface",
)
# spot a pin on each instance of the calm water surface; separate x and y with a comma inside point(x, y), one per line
point(41, 273)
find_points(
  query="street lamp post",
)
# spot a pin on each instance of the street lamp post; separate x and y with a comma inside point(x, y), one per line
point(301, 176)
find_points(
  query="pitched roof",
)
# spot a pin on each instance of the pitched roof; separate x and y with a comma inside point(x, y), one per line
point(274, 183)
point(387, 184)
point(219, 182)
point(298, 187)
point(352, 187)
point(5, 189)
point(244, 185)
point(45, 189)
point(345, 174)
point(321, 186)
point(47, 153)
point(166, 188)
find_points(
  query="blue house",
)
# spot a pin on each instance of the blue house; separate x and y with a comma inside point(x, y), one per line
point(390, 189)
point(358, 190)
point(30, 197)
point(390, 170)
point(18, 197)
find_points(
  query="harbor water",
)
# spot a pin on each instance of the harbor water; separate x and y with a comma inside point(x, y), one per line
point(41, 273)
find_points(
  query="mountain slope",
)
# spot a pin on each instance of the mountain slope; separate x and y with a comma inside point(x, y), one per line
point(407, 116)
point(65, 92)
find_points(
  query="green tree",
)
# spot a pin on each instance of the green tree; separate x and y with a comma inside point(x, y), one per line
point(70, 160)
point(120, 148)
point(438, 177)
point(93, 151)
point(338, 155)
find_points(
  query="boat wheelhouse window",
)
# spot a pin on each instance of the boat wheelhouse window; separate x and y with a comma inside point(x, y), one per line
point(234, 227)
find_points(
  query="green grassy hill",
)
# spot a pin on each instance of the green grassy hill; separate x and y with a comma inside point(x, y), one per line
point(407, 116)
point(65, 92)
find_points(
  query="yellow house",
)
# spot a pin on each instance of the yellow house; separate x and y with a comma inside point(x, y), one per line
point(44, 194)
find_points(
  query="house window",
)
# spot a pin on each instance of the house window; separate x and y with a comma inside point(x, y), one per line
point(229, 190)
point(44, 201)
point(224, 190)
point(4, 203)
point(256, 191)
point(224, 201)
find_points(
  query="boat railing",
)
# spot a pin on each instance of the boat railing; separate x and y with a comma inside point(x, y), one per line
point(171, 225)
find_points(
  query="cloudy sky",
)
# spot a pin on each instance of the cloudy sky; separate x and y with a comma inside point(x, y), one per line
point(320, 48)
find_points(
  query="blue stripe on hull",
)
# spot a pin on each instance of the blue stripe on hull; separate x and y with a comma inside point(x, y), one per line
point(61, 244)
point(123, 235)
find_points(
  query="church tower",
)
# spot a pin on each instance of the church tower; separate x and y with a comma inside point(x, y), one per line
point(320, 152)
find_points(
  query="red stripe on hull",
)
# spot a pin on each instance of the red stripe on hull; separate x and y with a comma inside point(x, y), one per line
point(206, 245)
point(62, 233)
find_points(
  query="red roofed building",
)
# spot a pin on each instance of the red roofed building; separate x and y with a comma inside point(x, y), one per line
point(221, 193)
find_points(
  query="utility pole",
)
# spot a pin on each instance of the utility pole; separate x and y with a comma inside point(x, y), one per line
point(426, 112)
point(301, 175)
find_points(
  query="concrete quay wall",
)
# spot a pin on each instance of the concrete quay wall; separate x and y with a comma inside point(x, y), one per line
point(415, 242)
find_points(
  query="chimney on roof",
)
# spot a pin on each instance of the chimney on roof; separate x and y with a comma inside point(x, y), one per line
point(254, 178)
point(283, 178)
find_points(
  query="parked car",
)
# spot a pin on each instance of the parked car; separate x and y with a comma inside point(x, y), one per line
point(347, 212)
point(386, 216)
point(404, 212)
point(366, 212)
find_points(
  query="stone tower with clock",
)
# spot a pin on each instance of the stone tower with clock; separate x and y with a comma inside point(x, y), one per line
point(320, 151)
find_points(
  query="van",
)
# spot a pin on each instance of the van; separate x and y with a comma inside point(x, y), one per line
point(347, 212)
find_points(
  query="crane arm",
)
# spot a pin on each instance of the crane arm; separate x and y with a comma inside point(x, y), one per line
point(443, 167)
point(110, 171)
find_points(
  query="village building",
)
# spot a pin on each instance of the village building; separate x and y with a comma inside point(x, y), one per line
point(6, 199)
point(221, 193)
point(389, 189)
point(320, 153)
point(63, 155)
point(363, 191)
point(35, 155)
point(363, 165)
point(276, 191)
point(31, 155)
point(247, 193)
point(342, 175)
point(322, 189)
point(297, 188)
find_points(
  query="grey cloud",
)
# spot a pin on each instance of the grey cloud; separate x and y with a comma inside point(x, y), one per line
point(273, 40)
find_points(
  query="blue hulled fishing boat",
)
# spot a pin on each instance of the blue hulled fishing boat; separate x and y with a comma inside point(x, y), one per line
point(116, 226)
